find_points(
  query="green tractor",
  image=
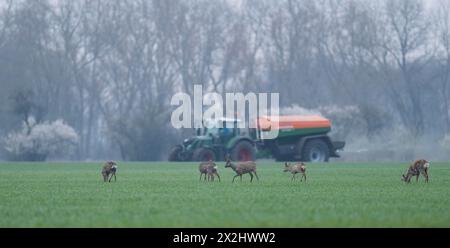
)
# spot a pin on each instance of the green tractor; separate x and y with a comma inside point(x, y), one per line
point(216, 143)
point(300, 138)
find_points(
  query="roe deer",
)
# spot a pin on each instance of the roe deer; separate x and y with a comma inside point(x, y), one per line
point(242, 168)
point(294, 169)
point(418, 167)
point(110, 168)
point(209, 169)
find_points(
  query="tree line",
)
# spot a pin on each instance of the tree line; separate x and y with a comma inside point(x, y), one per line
point(109, 68)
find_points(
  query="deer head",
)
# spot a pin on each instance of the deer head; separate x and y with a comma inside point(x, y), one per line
point(287, 166)
point(228, 163)
point(405, 178)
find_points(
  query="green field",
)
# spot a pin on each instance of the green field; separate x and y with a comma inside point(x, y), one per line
point(171, 195)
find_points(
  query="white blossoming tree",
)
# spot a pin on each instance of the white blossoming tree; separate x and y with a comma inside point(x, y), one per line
point(38, 141)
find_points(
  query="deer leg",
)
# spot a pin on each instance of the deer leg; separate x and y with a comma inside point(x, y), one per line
point(425, 174)
point(205, 177)
point(217, 174)
point(304, 175)
point(293, 177)
point(251, 177)
point(235, 178)
point(110, 178)
point(256, 175)
point(408, 179)
point(105, 178)
point(417, 178)
point(115, 178)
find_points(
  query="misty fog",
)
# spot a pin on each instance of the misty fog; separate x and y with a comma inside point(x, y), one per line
point(101, 73)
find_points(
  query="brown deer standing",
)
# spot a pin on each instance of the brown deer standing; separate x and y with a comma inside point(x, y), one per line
point(295, 169)
point(109, 170)
point(212, 172)
point(242, 168)
point(420, 166)
point(209, 169)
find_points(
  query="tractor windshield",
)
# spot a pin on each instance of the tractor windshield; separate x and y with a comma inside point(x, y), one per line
point(228, 130)
point(211, 131)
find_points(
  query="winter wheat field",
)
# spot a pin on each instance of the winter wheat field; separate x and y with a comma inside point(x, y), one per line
point(171, 195)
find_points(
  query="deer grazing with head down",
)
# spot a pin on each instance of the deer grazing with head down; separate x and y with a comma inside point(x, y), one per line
point(420, 166)
point(242, 168)
point(109, 170)
point(295, 169)
point(209, 169)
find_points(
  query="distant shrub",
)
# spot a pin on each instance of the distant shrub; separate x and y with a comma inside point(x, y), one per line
point(36, 142)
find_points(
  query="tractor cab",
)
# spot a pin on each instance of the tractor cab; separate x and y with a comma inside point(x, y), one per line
point(222, 130)
point(214, 141)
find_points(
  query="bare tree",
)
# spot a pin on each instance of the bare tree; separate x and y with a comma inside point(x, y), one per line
point(406, 45)
point(110, 67)
point(443, 36)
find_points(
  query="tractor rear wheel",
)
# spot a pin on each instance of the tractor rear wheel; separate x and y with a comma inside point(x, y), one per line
point(204, 154)
point(243, 151)
point(316, 151)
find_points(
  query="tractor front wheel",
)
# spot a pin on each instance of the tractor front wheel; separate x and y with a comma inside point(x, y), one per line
point(175, 154)
point(204, 154)
point(243, 151)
